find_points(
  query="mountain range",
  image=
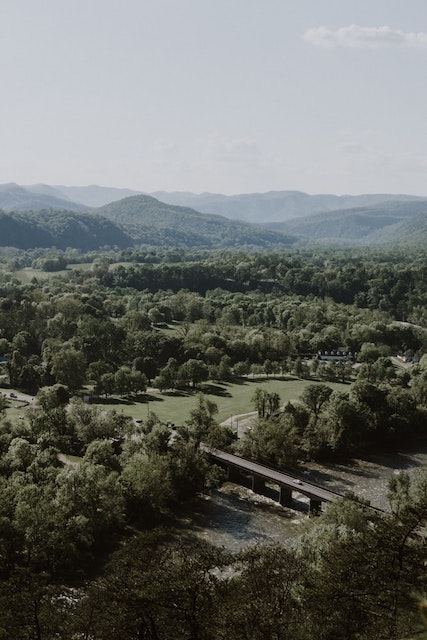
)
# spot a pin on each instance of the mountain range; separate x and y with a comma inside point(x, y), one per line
point(389, 222)
point(48, 221)
point(275, 206)
point(273, 219)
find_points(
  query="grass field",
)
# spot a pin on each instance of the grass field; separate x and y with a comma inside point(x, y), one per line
point(28, 273)
point(16, 410)
point(231, 398)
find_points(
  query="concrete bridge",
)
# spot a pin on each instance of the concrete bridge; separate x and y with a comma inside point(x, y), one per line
point(287, 483)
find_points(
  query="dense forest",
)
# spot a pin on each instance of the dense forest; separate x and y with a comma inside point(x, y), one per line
point(89, 496)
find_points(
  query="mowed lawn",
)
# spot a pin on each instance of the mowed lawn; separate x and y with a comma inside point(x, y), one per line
point(231, 398)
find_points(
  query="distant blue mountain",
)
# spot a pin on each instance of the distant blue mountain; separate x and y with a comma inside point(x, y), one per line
point(274, 206)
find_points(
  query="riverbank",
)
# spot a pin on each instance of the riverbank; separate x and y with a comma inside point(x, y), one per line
point(368, 477)
point(234, 517)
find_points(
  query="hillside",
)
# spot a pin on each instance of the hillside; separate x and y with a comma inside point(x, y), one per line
point(153, 222)
point(274, 206)
point(94, 195)
point(393, 222)
point(142, 219)
point(16, 198)
point(128, 222)
point(60, 229)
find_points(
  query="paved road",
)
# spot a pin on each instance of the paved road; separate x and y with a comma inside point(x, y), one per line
point(240, 423)
point(22, 397)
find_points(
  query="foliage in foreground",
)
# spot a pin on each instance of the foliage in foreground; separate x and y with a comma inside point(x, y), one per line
point(354, 575)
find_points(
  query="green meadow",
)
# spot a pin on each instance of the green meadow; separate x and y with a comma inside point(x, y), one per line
point(231, 398)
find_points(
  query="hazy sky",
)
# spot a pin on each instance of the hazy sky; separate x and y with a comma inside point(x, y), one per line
point(230, 96)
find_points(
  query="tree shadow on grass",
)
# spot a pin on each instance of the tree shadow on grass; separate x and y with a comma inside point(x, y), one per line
point(143, 398)
point(177, 393)
point(215, 390)
point(115, 401)
point(128, 401)
point(241, 381)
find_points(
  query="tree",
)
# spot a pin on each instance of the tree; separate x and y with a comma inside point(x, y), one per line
point(147, 366)
point(273, 403)
point(195, 371)
point(97, 369)
point(272, 442)
point(201, 418)
point(419, 387)
point(343, 426)
point(21, 453)
point(69, 368)
point(101, 452)
point(168, 376)
point(123, 381)
point(139, 381)
point(262, 597)
point(155, 589)
point(53, 397)
point(315, 396)
point(259, 400)
point(91, 500)
point(31, 607)
point(106, 384)
point(147, 485)
point(3, 404)
point(268, 367)
point(266, 404)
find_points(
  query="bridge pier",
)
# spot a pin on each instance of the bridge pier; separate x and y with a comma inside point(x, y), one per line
point(315, 507)
point(285, 495)
point(258, 484)
point(233, 474)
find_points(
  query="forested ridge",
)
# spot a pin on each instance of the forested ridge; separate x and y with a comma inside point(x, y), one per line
point(133, 221)
point(399, 223)
point(141, 220)
point(186, 227)
point(89, 497)
point(61, 229)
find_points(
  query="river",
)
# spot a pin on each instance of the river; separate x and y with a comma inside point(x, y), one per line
point(234, 517)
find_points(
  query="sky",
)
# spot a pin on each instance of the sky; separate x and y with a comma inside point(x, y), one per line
point(224, 96)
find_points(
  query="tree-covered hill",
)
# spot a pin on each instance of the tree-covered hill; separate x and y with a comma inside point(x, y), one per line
point(60, 229)
point(142, 219)
point(391, 222)
point(129, 222)
point(16, 198)
point(34, 197)
point(153, 222)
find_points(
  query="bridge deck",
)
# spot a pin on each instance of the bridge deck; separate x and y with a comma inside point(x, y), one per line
point(271, 475)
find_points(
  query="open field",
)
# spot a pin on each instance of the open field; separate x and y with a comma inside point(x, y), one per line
point(16, 411)
point(28, 273)
point(231, 398)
